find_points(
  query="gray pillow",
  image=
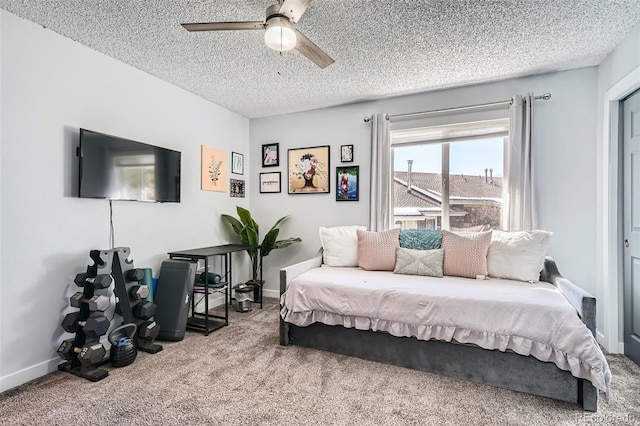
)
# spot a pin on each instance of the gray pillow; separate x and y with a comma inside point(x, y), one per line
point(419, 262)
point(421, 239)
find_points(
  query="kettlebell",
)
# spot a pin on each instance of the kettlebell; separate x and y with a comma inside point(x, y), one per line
point(123, 347)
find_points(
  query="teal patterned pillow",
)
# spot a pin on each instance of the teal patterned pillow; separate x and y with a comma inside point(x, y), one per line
point(420, 239)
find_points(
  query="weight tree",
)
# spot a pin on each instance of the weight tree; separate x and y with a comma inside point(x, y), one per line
point(111, 271)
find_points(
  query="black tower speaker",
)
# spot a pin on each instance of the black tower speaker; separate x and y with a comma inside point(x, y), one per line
point(173, 297)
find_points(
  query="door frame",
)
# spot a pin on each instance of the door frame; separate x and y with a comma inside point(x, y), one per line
point(609, 269)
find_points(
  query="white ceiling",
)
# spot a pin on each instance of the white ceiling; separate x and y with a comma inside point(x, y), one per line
point(381, 48)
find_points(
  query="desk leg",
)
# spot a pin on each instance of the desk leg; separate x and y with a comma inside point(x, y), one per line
point(206, 296)
point(227, 289)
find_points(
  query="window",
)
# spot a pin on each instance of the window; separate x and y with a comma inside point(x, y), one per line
point(449, 177)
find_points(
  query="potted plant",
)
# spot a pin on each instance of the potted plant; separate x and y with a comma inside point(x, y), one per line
point(247, 229)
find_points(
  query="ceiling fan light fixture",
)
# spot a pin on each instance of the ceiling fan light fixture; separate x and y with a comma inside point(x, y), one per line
point(280, 35)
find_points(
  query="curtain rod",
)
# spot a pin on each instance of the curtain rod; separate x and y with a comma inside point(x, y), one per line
point(544, 97)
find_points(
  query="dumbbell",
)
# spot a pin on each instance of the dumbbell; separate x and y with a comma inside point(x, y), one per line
point(96, 303)
point(144, 310)
point(134, 274)
point(139, 292)
point(148, 330)
point(92, 327)
point(87, 355)
point(99, 281)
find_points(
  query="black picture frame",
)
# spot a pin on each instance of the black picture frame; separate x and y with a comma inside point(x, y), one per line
point(309, 170)
point(237, 163)
point(236, 188)
point(270, 183)
point(348, 183)
point(346, 153)
point(269, 159)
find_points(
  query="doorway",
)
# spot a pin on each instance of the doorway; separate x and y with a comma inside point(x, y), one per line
point(630, 120)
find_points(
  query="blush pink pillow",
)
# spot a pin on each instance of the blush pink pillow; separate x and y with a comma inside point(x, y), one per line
point(377, 250)
point(465, 253)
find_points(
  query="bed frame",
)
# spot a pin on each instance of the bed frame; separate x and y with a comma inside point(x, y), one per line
point(463, 361)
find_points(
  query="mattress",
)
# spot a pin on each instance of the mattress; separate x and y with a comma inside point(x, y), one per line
point(531, 319)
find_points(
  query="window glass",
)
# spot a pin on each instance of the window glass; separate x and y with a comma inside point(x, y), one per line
point(461, 181)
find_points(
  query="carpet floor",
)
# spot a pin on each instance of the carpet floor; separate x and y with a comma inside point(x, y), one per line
point(240, 375)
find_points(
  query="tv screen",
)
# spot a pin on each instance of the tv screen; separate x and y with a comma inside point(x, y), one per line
point(121, 169)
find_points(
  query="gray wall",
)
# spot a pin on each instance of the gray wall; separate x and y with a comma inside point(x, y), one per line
point(52, 86)
point(564, 152)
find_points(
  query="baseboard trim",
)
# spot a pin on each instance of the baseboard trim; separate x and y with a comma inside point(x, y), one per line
point(30, 373)
point(271, 293)
point(600, 338)
point(621, 348)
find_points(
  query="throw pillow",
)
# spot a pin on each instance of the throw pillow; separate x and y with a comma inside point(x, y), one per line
point(518, 255)
point(421, 239)
point(340, 245)
point(465, 253)
point(419, 262)
point(377, 250)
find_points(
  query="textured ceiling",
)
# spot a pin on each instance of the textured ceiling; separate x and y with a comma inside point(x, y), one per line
point(381, 48)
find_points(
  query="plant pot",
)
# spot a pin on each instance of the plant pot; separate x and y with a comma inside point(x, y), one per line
point(257, 288)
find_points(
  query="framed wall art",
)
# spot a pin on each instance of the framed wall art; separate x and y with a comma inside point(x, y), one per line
point(271, 155)
point(348, 188)
point(213, 170)
point(346, 153)
point(309, 170)
point(270, 183)
point(236, 188)
point(237, 163)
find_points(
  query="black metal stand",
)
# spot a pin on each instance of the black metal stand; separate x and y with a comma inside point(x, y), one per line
point(206, 322)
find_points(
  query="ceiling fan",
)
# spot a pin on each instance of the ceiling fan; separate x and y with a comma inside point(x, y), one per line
point(280, 33)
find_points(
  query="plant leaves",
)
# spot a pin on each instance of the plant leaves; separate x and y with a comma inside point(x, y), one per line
point(269, 241)
point(279, 221)
point(286, 243)
point(234, 223)
point(245, 217)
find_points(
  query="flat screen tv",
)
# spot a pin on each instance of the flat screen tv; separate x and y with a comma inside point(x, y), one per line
point(121, 169)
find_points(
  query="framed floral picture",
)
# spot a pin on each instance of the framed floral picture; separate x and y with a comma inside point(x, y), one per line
point(270, 155)
point(309, 170)
point(270, 183)
point(237, 163)
point(346, 153)
point(348, 188)
point(214, 170)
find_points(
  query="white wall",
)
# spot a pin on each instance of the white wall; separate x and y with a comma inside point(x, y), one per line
point(565, 157)
point(624, 59)
point(52, 86)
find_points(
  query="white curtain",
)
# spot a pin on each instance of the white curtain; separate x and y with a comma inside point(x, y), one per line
point(520, 202)
point(380, 208)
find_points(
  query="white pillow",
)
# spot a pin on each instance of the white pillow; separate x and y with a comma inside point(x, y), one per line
point(517, 255)
point(340, 245)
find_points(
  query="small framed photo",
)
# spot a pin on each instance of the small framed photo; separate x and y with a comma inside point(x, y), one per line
point(271, 155)
point(348, 188)
point(237, 163)
point(346, 153)
point(270, 183)
point(236, 188)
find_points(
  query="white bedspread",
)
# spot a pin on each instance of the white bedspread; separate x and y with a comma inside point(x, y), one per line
point(530, 319)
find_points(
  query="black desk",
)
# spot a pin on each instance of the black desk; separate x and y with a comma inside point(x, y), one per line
point(203, 321)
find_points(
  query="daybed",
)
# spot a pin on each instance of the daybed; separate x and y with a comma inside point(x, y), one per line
point(327, 308)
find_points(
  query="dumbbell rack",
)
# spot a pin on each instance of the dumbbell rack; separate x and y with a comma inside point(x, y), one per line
point(111, 270)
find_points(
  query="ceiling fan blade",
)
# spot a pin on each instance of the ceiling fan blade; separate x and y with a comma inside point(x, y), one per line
point(311, 51)
point(293, 9)
point(224, 26)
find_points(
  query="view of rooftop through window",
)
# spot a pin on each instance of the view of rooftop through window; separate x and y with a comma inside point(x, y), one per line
point(468, 197)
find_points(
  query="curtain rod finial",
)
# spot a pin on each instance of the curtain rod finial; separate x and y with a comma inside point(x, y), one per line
point(546, 96)
point(367, 118)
